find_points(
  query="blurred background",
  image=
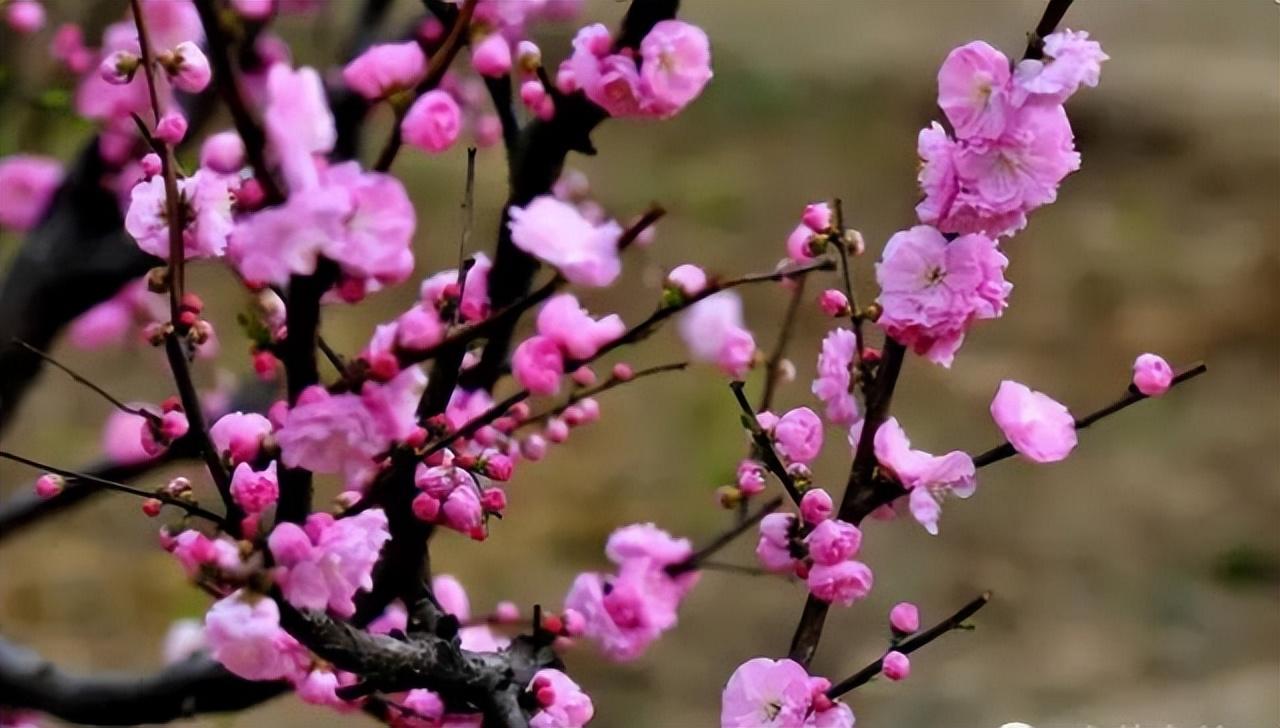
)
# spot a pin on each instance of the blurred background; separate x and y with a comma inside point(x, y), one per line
point(1136, 583)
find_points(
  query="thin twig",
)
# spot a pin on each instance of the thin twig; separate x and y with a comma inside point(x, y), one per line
point(773, 364)
point(1132, 396)
point(191, 508)
point(906, 647)
point(464, 240)
point(698, 559)
point(85, 381)
point(763, 445)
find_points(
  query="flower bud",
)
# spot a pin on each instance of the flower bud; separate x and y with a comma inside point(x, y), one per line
point(49, 485)
point(118, 68)
point(834, 303)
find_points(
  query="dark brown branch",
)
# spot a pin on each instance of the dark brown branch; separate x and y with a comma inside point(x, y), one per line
point(194, 686)
point(911, 644)
point(1053, 15)
point(227, 80)
point(198, 428)
point(1131, 396)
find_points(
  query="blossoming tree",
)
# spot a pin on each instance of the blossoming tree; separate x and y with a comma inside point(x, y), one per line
point(443, 406)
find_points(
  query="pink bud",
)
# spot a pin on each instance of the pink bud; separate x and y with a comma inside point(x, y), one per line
point(506, 612)
point(532, 93)
point(433, 122)
point(688, 279)
point(118, 68)
point(49, 485)
point(25, 16)
point(425, 508)
point(416, 438)
point(223, 152)
point(172, 128)
point(151, 165)
point(574, 623)
point(494, 500)
point(254, 9)
point(816, 506)
point(557, 431)
point(492, 57)
point(833, 303)
point(498, 467)
point(533, 448)
point(589, 408)
point(751, 480)
point(623, 372)
point(896, 666)
point(264, 364)
point(190, 68)
point(1152, 375)
point(151, 507)
point(546, 696)
point(904, 618)
point(584, 377)
point(817, 217)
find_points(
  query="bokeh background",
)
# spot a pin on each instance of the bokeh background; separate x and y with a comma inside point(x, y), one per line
point(1136, 583)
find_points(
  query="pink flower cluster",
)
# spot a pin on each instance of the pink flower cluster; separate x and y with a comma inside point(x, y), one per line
point(927, 478)
point(342, 433)
point(206, 217)
point(1013, 144)
point(673, 66)
point(566, 332)
point(322, 564)
point(627, 611)
point(452, 495)
point(932, 290)
point(561, 703)
point(714, 332)
point(816, 548)
point(764, 693)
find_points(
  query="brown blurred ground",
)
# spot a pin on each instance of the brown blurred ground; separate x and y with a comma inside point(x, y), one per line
point(1135, 583)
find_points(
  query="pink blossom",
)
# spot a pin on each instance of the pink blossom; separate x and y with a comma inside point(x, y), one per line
point(817, 217)
point(1036, 425)
point(223, 152)
point(462, 511)
point(273, 244)
point(492, 56)
point(1152, 375)
point(195, 551)
point(764, 693)
point(189, 68)
point(834, 382)
point(750, 477)
point(896, 666)
point(441, 289)
point(25, 16)
point(325, 563)
point(184, 638)
point(712, 329)
point(171, 128)
point(833, 303)
point(122, 438)
point(557, 233)
point(255, 490)
point(207, 222)
point(298, 123)
point(904, 618)
point(833, 541)
point(928, 478)
point(842, 583)
point(239, 435)
point(1070, 61)
point(675, 66)
point(816, 506)
point(937, 175)
point(932, 290)
point(244, 634)
point(375, 239)
point(538, 365)
point(171, 22)
point(610, 81)
point(568, 324)
point(49, 485)
point(973, 90)
point(798, 435)
point(27, 185)
point(68, 47)
point(774, 546)
point(798, 243)
point(452, 596)
point(433, 122)
point(690, 280)
point(561, 703)
point(385, 69)
point(624, 613)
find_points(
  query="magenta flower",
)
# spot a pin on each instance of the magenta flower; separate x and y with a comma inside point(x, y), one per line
point(298, 123)
point(764, 693)
point(712, 329)
point(689, 279)
point(798, 435)
point(834, 382)
point(255, 490)
point(568, 324)
point(842, 583)
point(538, 365)
point(557, 233)
point(1070, 61)
point(433, 123)
point(239, 435)
point(244, 634)
point(904, 618)
point(27, 185)
point(206, 224)
point(929, 478)
point(833, 541)
point(932, 290)
point(1152, 375)
point(491, 56)
point(896, 666)
point(322, 564)
point(385, 69)
point(1037, 426)
point(973, 90)
point(189, 68)
point(561, 703)
point(223, 152)
point(675, 66)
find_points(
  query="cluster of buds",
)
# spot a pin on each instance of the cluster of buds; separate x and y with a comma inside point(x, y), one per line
point(163, 429)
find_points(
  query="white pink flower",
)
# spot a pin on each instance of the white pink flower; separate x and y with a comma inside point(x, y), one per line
point(324, 563)
point(557, 233)
point(1038, 427)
